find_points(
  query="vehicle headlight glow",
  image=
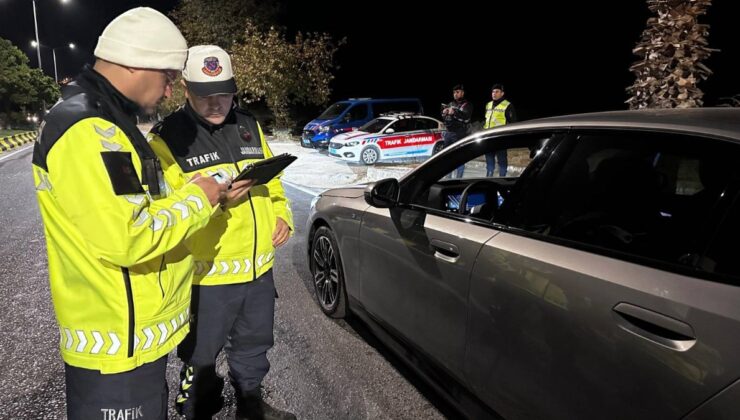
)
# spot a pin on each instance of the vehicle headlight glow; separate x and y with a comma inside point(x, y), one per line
point(325, 129)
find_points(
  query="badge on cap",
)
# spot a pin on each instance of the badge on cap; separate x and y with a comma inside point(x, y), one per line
point(211, 66)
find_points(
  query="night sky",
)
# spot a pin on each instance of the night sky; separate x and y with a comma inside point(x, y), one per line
point(553, 58)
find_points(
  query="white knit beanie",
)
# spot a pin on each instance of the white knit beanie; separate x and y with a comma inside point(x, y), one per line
point(143, 38)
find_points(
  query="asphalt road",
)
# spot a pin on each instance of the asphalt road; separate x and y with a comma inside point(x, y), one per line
point(321, 368)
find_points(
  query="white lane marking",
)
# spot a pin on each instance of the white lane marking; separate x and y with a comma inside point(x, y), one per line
point(16, 152)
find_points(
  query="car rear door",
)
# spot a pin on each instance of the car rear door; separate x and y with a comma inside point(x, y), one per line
point(597, 300)
point(425, 136)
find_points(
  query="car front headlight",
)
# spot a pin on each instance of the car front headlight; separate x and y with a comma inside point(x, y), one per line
point(325, 129)
point(352, 143)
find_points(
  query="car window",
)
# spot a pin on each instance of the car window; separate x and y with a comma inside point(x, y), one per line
point(647, 195)
point(425, 124)
point(405, 124)
point(722, 257)
point(436, 187)
point(334, 111)
point(357, 112)
point(374, 126)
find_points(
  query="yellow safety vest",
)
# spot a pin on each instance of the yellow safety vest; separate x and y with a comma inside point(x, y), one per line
point(236, 246)
point(496, 116)
point(120, 274)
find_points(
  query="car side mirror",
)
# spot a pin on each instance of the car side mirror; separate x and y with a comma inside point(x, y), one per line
point(390, 131)
point(383, 194)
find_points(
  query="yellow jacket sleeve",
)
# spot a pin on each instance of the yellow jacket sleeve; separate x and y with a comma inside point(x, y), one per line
point(123, 230)
point(280, 204)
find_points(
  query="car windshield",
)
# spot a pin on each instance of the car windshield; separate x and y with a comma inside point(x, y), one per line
point(375, 125)
point(334, 111)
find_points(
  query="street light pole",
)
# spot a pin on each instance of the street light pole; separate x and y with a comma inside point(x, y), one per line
point(36, 26)
point(54, 54)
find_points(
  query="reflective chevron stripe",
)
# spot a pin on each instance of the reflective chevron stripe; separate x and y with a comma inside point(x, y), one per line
point(79, 340)
point(107, 133)
point(229, 267)
point(82, 341)
point(115, 344)
point(96, 342)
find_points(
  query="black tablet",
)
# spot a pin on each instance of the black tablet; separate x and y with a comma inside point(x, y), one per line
point(265, 170)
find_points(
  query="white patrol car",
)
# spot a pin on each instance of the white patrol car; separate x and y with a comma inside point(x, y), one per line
point(389, 137)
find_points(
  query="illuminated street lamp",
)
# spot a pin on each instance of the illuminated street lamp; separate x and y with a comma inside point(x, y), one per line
point(36, 27)
point(71, 46)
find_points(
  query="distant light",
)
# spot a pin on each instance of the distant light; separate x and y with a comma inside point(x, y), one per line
point(72, 46)
point(34, 44)
point(65, 1)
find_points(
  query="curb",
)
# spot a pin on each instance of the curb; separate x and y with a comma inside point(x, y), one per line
point(16, 140)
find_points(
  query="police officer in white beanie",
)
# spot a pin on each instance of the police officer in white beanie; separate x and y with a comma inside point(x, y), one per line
point(233, 290)
point(119, 271)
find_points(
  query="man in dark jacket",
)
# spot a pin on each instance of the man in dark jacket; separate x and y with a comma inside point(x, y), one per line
point(456, 116)
point(233, 303)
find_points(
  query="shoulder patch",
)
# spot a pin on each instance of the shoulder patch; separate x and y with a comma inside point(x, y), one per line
point(122, 173)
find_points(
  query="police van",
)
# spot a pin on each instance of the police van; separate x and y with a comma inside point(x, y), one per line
point(346, 115)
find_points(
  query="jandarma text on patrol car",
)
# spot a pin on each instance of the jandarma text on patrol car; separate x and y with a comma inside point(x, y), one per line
point(123, 414)
point(199, 160)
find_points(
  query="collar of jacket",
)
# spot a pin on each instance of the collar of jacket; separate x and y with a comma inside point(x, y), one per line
point(190, 112)
point(91, 80)
point(497, 102)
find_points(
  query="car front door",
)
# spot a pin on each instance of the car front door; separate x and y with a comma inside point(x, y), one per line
point(596, 300)
point(416, 258)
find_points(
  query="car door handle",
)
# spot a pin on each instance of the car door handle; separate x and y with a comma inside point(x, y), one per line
point(445, 251)
point(655, 327)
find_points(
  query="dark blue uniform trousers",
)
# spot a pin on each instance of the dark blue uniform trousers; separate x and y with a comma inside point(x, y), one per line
point(238, 318)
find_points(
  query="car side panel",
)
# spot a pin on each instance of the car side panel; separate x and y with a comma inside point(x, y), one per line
point(546, 342)
point(408, 145)
point(408, 284)
point(343, 216)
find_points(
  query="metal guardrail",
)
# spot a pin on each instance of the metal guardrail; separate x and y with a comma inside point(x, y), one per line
point(16, 140)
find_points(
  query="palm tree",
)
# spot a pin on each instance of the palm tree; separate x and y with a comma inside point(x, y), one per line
point(671, 52)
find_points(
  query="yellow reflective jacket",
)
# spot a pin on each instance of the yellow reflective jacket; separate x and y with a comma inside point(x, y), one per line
point(496, 116)
point(236, 246)
point(119, 272)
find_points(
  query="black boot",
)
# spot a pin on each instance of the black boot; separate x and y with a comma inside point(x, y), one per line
point(199, 396)
point(251, 406)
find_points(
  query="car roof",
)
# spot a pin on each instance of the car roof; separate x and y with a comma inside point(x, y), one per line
point(376, 100)
point(715, 122)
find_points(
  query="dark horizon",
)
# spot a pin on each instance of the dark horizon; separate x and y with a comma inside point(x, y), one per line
point(551, 60)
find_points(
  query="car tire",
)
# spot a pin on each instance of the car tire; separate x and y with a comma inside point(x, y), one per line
point(369, 155)
point(327, 273)
point(438, 146)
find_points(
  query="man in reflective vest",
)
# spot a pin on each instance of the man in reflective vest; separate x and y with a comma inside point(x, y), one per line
point(233, 290)
point(119, 272)
point(498, 112)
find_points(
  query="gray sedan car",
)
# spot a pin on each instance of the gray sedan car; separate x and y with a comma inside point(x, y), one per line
point(598, 278)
